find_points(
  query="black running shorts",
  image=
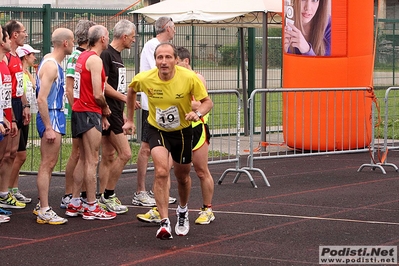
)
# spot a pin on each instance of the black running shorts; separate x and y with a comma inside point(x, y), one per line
point(115, 124)
point(83, 122)
point(178, 143)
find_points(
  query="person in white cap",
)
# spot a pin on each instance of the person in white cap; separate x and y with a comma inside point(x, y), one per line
point(27, 55)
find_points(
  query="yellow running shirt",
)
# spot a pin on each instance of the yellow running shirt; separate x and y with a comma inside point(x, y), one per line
point(169, 101)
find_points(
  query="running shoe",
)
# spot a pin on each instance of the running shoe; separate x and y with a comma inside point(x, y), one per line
point(50, 217)
point(65, 200)
point(98, 213)
point(165, 231)
point(171, 199)
point(113, 204)
point(21, 198)
point(74, 211)
point(143, 199)
point(11, 202)
point(152, 216)
point(4, 218)
point(182, 226)
point(205, 216)
point(36, 209)
point(5, 212)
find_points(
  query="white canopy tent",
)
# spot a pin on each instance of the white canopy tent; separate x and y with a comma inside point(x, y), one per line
point(233, 13)
point(222, 13)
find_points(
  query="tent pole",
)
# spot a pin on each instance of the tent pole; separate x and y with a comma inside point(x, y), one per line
point(136, 46)
point(137, 70)
point(264, 78)
point(244, 81)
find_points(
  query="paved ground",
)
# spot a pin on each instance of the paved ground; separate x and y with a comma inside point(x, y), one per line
point(312, 201)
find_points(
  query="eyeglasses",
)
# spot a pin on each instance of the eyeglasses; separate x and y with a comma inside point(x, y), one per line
point(166, 23)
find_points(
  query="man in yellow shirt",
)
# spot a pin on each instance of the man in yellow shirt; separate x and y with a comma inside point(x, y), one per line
point(170, 89)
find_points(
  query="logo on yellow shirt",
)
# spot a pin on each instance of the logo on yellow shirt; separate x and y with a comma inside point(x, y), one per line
point(150, 92)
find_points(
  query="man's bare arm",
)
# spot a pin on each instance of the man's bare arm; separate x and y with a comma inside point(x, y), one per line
point(94, 65)
point(112, 93)
point(48, 74)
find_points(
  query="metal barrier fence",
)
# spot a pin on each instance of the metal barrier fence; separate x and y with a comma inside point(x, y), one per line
point(390, 133)
point(225, 128)
point(272, 142)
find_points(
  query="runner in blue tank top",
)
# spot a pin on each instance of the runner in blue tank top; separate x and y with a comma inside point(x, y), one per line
point(55, 101)
point(51, 118)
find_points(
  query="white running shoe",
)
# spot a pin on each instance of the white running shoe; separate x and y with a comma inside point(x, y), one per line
point(143, 199)
point(21, 197)
point(171, 199)
point(165, 231)
point(183, 225)
point(49, 217)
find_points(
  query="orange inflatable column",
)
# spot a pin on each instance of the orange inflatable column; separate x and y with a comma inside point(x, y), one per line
point(331, 120)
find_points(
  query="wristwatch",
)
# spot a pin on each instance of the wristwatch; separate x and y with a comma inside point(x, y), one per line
point(198, 113)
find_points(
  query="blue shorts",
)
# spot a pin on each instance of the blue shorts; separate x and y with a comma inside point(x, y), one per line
point(57, 119)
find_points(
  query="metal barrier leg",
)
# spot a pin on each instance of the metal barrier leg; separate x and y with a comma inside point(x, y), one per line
point(239, 172)
point(380, 166)
point(391, 165)
point(259, 171)
point(373, 166)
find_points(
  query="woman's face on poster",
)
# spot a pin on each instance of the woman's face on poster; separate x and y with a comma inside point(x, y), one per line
point(308, 10)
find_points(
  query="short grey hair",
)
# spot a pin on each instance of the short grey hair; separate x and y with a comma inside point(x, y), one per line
point(161, 23)
point(95, 34)
point(123, 27)
point(82, 30)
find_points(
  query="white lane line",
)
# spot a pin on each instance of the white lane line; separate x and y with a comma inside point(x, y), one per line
point(308, 217)
point(286, 216)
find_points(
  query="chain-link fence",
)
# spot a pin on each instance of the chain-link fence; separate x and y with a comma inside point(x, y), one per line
point(215, 54)
point(386, 64)
point(215, 51)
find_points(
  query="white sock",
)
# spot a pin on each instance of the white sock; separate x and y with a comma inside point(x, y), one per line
point(75, 201)
point(92, 205)
point(44, 209)
point(182, 209)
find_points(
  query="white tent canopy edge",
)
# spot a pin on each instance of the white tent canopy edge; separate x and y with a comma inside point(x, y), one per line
point(231, 13)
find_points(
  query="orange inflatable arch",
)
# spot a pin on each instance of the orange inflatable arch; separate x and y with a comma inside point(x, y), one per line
point(350, 64)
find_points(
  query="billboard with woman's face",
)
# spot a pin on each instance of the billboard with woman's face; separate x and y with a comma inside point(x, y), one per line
point(307, 27)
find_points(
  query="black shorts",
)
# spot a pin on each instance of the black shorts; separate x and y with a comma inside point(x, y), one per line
point(17, 109)
point(115, 124)
point(82, 122)
point(23, 138)
point(178, 143)
point(144, 125)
